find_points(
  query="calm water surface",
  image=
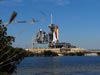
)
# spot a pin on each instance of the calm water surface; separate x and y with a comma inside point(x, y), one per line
point(65, 65)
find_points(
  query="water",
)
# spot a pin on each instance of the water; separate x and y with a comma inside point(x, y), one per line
point(65, 65)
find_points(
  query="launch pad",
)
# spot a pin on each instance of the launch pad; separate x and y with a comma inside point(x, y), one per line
point(51, 38)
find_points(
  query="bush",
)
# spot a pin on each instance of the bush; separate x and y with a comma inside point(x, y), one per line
point(49, 53)
point(79, 54)
point(69, 54)
point(74, 54)
point(3, 73)
point(98, 53)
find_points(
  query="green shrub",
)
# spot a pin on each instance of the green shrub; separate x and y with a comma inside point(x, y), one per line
point(49, 53)
point(74, 54)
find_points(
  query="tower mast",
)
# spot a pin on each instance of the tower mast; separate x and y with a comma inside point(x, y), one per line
point(51, 19)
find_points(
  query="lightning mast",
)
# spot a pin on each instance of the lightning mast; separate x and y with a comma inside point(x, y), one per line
point(51, 19)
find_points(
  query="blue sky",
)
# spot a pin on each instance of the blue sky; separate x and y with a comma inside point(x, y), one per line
point(78, 20)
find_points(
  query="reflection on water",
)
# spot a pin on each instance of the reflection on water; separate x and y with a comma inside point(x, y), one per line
point(66, 65)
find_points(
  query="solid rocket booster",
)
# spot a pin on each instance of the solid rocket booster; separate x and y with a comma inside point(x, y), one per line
point(56, 32)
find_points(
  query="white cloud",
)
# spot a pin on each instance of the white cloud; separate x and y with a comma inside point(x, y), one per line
point(10, 2)
point(20, 2)
point(57, 2)
point(62, 2)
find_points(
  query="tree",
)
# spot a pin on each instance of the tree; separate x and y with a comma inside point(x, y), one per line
point(5, 40)
point(5, 49)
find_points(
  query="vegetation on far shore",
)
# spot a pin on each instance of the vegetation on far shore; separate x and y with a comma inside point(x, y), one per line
point(74, 54)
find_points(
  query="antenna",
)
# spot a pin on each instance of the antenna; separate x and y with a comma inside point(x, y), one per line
point(51, 18)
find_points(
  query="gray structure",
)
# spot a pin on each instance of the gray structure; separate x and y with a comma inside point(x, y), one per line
point(41, 37)
point(62, 45)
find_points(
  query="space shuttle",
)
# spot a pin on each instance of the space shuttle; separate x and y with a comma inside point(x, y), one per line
point(55, 35)
point(54, 30)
